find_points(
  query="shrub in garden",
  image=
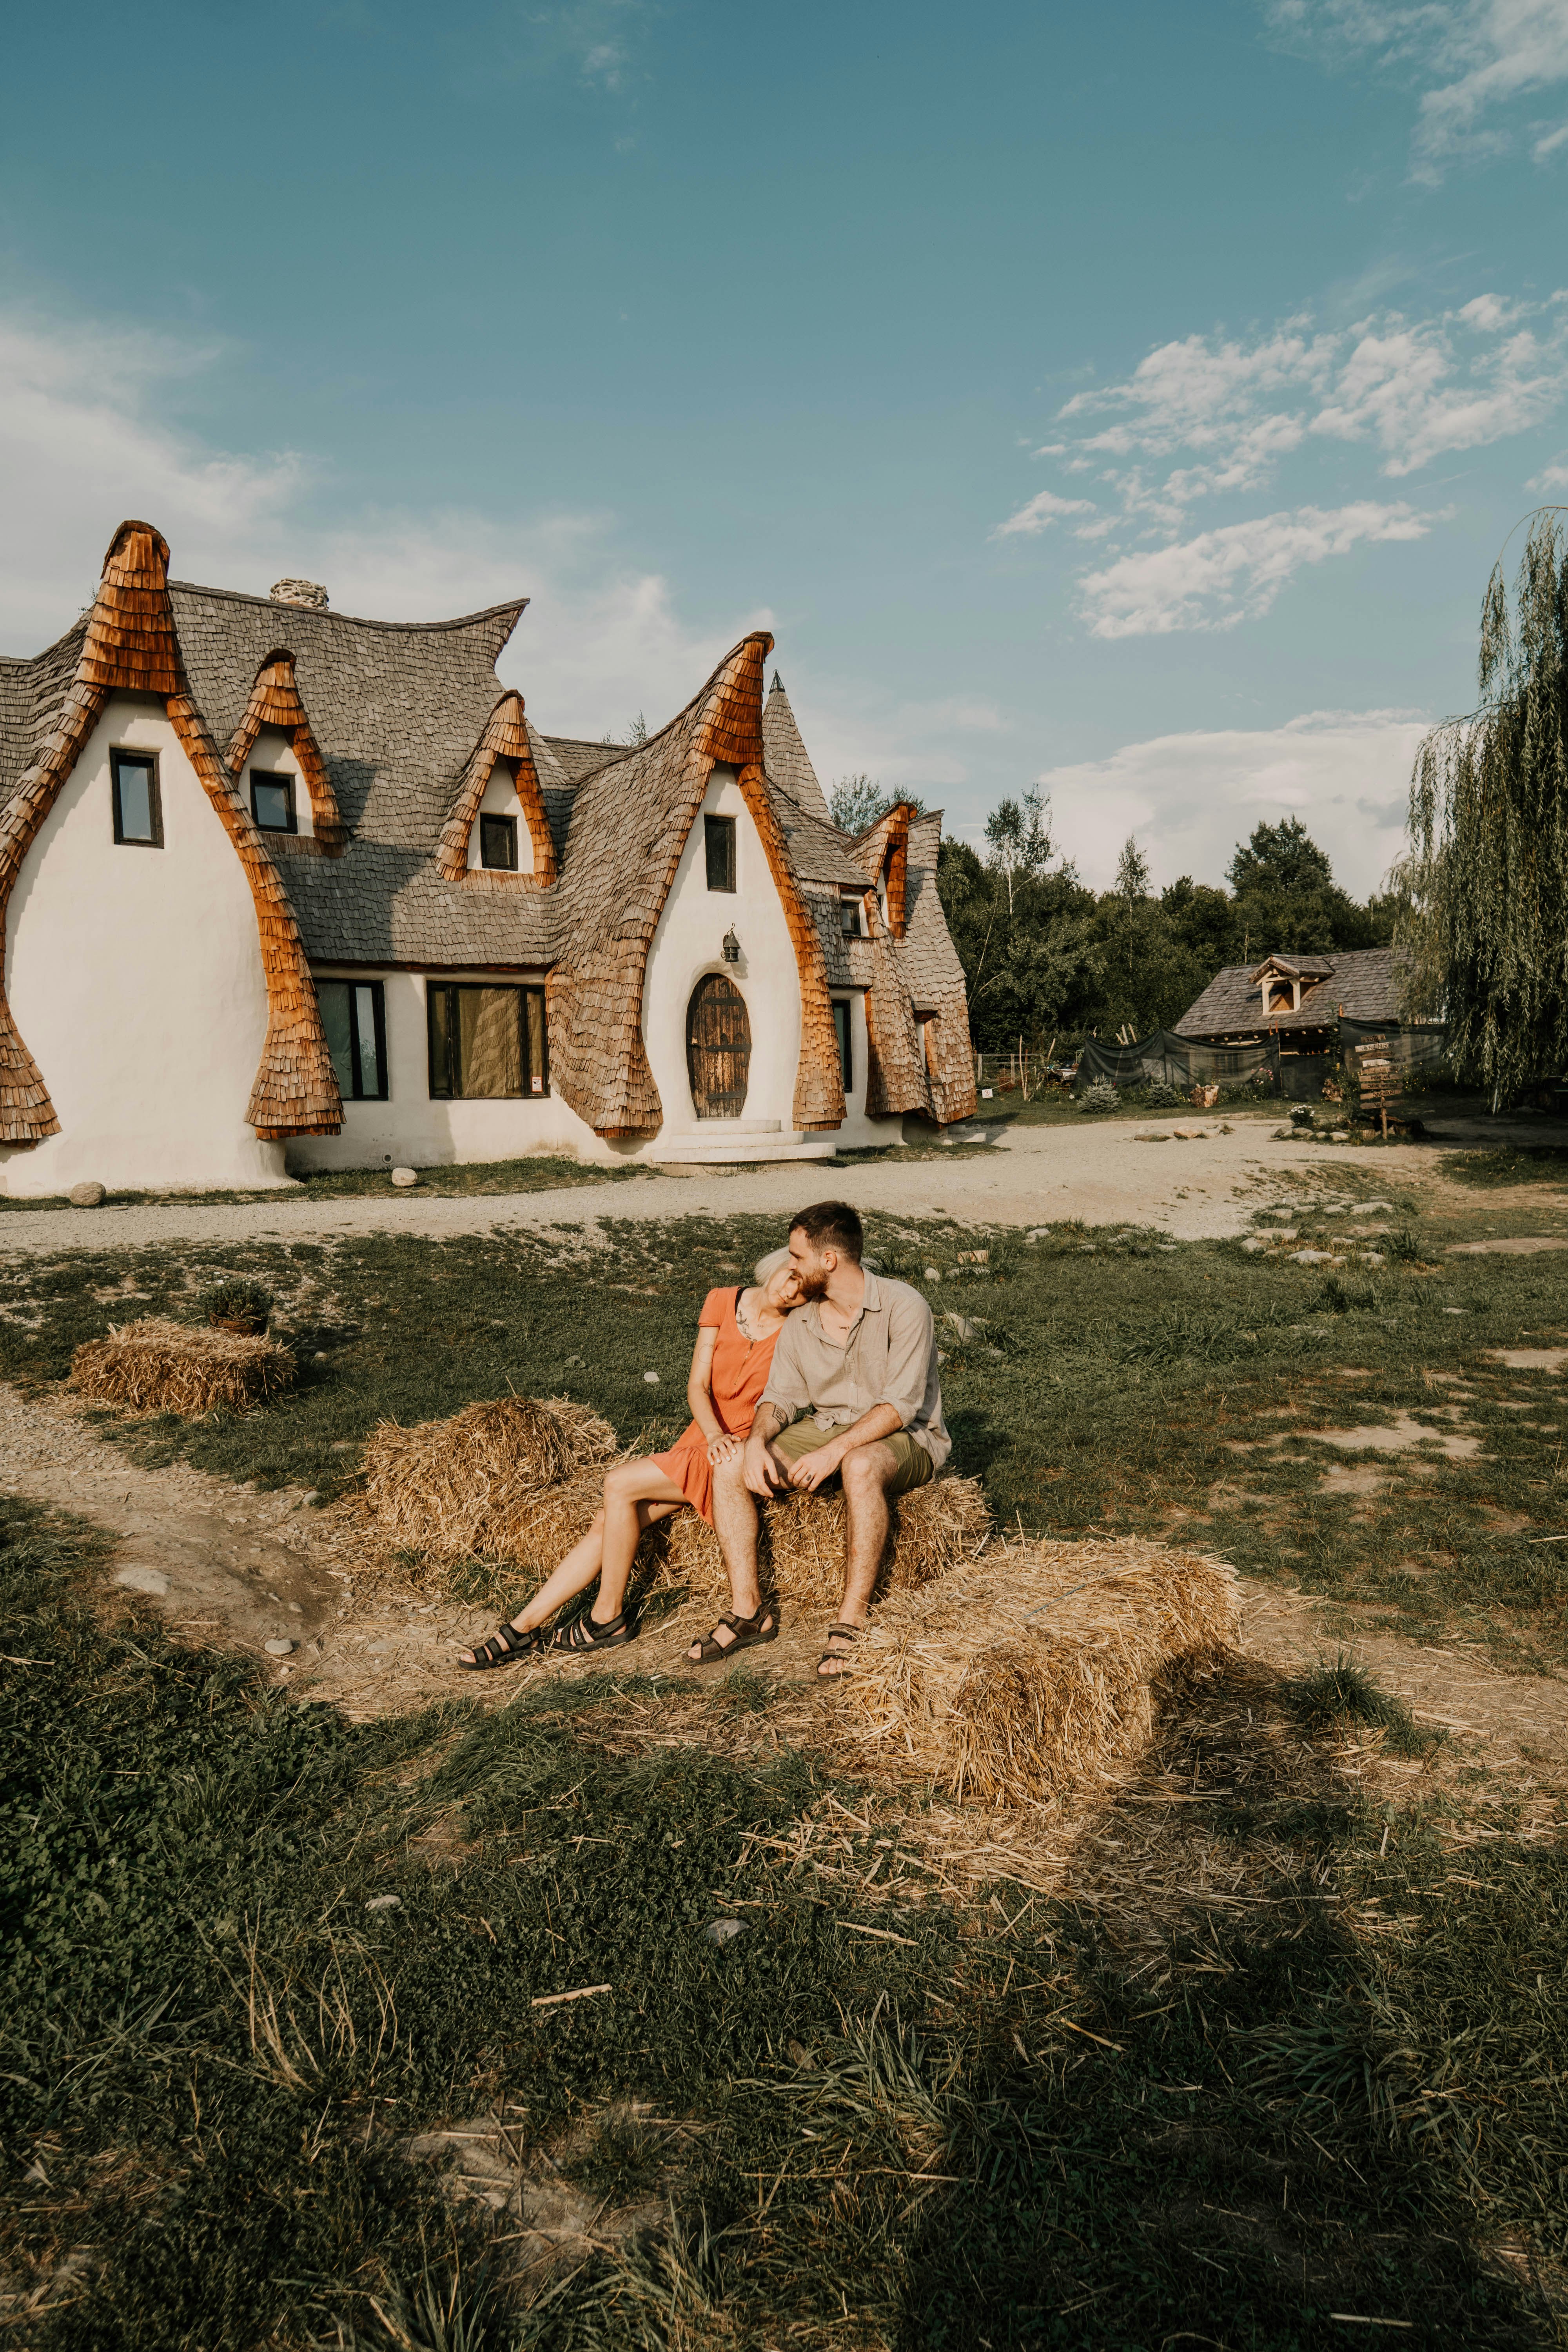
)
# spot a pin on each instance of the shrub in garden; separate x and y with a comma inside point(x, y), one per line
point(1101, 1095)
point(237, 1306)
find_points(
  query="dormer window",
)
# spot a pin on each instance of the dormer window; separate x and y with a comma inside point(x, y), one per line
point(272, 801)
point(849, 919)
point(138, 811)
point(498, 842)
point(1282, 995)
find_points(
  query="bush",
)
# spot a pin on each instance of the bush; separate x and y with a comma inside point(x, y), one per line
point(1160, 1097)
point(1098, 1096)
point(238, 1302)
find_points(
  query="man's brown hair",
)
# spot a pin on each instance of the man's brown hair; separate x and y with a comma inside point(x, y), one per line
point(832, 1224)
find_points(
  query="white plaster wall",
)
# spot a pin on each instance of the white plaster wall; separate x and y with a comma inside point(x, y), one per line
point(687, 942)
point(274, 756)
point(135, 978)
point(410, 1128)
point(500, 798)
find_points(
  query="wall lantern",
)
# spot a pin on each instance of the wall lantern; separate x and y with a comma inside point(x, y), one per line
point(730, 951)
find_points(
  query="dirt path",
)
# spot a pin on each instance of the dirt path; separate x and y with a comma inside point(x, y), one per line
point(234, 1569)
point(1201, 1185)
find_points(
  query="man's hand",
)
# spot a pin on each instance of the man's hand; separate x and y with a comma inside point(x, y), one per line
point(764, 1472)
point(813, 1469)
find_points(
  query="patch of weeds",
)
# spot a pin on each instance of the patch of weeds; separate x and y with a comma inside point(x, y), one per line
point(1545, 1163)
point(1402, 1246)
point(1335, 1695)
point(1338, 1297)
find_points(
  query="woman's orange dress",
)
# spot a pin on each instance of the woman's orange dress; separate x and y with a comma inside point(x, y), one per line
point(737, 1379)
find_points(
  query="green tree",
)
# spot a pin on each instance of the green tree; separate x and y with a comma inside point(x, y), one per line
point(855, 803)
point(1132, 872)
point(1287, 899)
point(1486, 882)
point(1018, 840)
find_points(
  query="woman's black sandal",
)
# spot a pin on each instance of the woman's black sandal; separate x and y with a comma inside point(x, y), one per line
point(506, 1647)
point(849, 1633)
point(584, 1634)
point(748, 1632)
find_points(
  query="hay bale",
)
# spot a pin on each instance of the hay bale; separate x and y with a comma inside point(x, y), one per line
point(1020, 1677)
point(801, 1542)
point(515, 1478)
point(159, 1366)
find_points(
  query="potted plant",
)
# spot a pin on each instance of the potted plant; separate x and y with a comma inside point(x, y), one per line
point(239, 1306)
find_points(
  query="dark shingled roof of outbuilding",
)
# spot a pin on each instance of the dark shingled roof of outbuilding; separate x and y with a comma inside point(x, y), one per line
point(1365, 980)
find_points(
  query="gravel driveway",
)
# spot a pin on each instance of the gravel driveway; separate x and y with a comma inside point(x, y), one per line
point(1203, 1187)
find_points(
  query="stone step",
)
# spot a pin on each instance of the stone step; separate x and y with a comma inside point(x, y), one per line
point(739, 1151)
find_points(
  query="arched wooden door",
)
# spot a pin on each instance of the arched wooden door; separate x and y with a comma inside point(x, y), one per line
point(718, 1047)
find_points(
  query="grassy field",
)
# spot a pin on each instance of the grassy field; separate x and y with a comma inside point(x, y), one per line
point(876, 2117)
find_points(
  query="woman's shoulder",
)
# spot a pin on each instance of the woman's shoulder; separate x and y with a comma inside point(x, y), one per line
point(717, 1306)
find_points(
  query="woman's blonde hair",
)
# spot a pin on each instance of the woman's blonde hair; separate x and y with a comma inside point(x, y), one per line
point(766, 1268)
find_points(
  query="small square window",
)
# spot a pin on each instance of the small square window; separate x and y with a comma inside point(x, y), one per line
point(850, 918)
point(138, 812)
point(719, 841)
point(497, 844)
point(272, 801)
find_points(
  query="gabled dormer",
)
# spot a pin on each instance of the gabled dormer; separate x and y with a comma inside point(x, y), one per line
point(277, 764)
point(1282, 982)
point(883, 852)
point(497, 835)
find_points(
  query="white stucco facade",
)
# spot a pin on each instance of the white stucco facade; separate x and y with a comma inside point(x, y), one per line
point(134, 974)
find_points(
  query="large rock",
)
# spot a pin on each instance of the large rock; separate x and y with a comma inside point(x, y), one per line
point(87, 1196)
point(405, 1177)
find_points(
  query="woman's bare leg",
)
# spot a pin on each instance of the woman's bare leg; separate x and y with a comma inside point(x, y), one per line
point(636, 1494)
point(576, 1571)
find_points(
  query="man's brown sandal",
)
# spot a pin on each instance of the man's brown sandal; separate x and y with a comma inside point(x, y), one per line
point(748, 1632)
point(839, 1661)
point(505, 1647)
point(583, 1633)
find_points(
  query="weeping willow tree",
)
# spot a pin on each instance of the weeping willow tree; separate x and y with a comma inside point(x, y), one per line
point(1485, 884)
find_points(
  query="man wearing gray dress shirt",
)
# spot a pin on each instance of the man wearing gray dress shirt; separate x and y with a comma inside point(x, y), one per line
point(852, 1392)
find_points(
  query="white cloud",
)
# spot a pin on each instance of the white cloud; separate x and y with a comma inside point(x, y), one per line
point(1476, 57)
point(1190, 798)
point(1551, 478)
point(1216, 580)
point(85, 441)
point(1040, 513)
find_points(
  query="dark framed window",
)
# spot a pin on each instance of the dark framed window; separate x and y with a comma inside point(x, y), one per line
point(719, 842)
point(354, 1015)
point(272, 801)
point(486, 1042)
point(498, 842)
point(841, 1031)
point(850, 918)
point(138, 810)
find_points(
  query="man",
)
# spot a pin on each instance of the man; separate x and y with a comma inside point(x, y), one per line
point(853, 1393)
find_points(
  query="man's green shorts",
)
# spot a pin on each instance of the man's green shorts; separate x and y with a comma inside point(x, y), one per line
point(914, 1463)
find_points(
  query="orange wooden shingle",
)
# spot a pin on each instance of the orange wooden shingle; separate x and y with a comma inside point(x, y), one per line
point(505, 738)
point(275, 702)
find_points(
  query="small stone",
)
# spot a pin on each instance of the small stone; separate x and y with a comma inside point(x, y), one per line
point(384, 1903)
point(1340, 1135)
point(933, 1274)
point(1252, 1245)
point(87, 1196)
point(575, 1359)
point(652, 1379)
point(1311, 1258)
point(404, 1177)
point(313, 1496)
point(961, 1326)
point(321, 1356)
point(295, 1609)
point(279, 1648)
point(143, 1579)
point(724, 1931)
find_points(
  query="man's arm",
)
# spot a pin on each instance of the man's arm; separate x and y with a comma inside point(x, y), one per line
point(763, 1470)
point(808, 1472)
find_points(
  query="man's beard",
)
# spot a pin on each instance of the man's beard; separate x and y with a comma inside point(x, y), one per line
point(812, 1286)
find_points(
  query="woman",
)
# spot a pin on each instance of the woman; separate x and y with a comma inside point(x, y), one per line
point(736, 1333)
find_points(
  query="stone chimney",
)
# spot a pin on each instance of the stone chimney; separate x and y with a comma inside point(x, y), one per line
point(309, 592)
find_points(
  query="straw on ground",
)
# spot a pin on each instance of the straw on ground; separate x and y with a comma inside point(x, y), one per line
point(159, 1366)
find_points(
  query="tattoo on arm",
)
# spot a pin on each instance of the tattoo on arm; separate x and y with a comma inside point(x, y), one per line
point(770, 1420)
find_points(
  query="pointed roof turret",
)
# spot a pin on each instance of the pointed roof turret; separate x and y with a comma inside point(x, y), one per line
point(785, 757)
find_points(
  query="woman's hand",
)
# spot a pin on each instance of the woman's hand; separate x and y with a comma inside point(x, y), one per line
point(724, 1448)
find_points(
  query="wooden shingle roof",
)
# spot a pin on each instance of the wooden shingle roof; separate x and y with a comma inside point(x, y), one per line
point(1364, 982)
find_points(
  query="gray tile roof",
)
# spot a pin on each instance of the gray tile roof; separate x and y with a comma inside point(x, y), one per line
point(1363, 981)
point(785, 757)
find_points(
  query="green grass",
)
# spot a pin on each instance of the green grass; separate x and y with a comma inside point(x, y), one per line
point(211, 2051)
point(1545, 1163)
point(1109, 1383)
point(540, 1174)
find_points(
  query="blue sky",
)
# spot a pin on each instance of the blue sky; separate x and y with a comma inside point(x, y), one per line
point(1132, 399)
